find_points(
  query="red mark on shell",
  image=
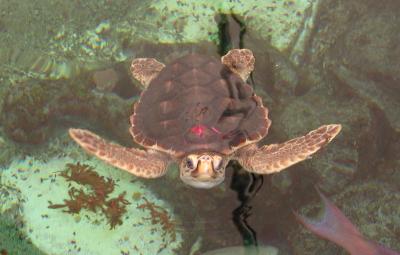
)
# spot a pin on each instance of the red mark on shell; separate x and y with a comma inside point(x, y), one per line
point(216, 130)
point(200, 130)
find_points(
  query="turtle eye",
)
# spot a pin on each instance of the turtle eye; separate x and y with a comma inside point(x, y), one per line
point(189, 163)
point(217, 164)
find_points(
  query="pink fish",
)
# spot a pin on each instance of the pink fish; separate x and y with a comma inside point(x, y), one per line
point(334, 226)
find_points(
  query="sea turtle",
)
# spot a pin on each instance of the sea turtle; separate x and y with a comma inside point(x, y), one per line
point(199, 112)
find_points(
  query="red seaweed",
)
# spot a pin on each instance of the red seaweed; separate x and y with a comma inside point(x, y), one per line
point(96, 199)
point(159, 216)
point(115, 208)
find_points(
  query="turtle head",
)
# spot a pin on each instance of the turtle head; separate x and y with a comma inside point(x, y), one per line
point(203, 170)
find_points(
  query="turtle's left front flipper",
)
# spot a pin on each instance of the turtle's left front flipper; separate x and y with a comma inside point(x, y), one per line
point(146, 164)
point(276, 157)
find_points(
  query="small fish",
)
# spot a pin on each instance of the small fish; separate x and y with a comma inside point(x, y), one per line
point(335, 227)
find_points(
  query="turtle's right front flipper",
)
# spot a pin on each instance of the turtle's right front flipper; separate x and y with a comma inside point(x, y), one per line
point(146, 164)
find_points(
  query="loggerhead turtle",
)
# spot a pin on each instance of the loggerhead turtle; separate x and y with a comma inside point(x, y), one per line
point(200, 113)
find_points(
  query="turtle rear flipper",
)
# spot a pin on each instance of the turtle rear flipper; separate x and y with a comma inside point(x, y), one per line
point(276, 157)
point(146, 164)
point(145, 70)
point(239, 61)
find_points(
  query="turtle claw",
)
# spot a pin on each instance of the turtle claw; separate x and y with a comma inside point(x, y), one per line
point(276, 157)
point(146, 164)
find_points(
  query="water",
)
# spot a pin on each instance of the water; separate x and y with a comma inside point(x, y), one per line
point(67, 65)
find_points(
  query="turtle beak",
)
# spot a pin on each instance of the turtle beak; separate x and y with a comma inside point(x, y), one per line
point(204, 169)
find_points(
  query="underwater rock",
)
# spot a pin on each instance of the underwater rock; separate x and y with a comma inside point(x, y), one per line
point(30, 108)
point(372, 206)
point(356, 148)
point(84, 36)
point(353, 44)
point(366, 59)
point(376, 93)
point(8, 149)
point(284, 19)
point(26, 114)
point(274, 72)
point(88, 232)
point(369, 47)
point(328, 22)
point(10, 199)
point(240, 250)
point(55, 42)
point(106, 79)
point(12, 241)
point(388, 169)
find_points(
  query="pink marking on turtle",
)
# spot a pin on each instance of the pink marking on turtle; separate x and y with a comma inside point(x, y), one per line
point(200, 130)
point(216, 130)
